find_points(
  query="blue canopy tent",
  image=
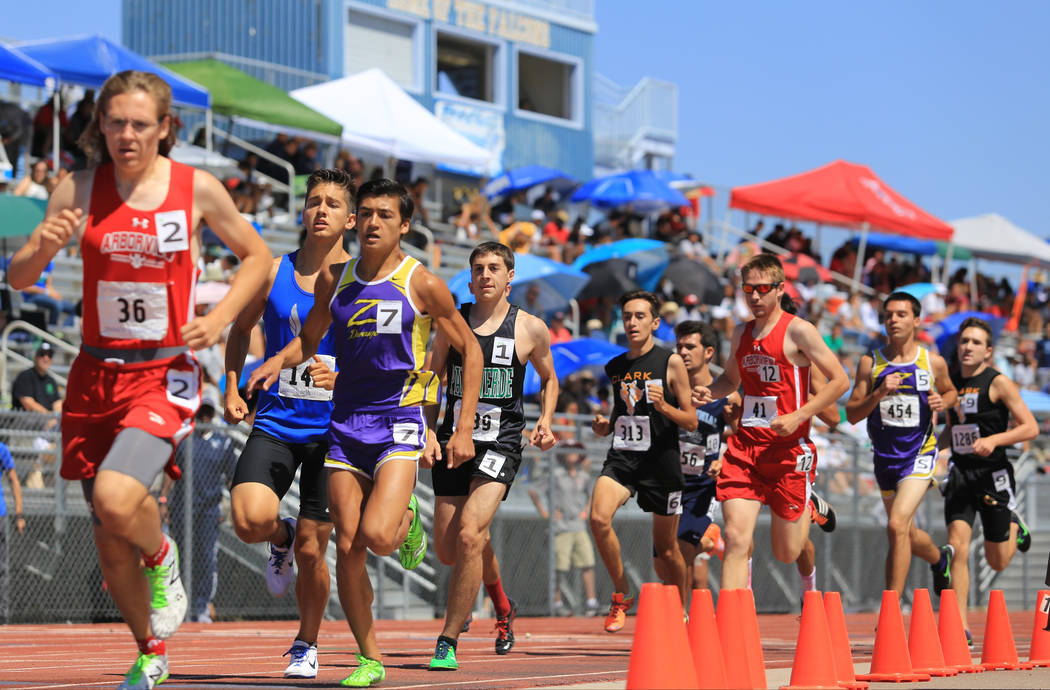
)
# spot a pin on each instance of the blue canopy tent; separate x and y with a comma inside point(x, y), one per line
point(525, 177)
point(946, 329)
point(89, 61)
point(1037, 401)
point(18, 67)
point(557, 282)
point(643, 190)
point(570, 357)
point(649, 256)
point(899, 243)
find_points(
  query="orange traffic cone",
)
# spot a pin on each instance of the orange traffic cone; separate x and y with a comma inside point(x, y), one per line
point(652, 662)
point(923, 643)
point(814, 665)
point(678, 639)
point(704, 642)
point(756, 661)
point(999, 649)
point(953, 635)
point(1039, 654)
point(890, 661)
point(840, 646)
point(729, 617)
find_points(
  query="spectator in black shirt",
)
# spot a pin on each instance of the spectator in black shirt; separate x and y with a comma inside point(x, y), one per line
point(35, 389)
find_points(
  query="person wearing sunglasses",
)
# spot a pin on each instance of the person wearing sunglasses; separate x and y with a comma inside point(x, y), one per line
point(770, 459)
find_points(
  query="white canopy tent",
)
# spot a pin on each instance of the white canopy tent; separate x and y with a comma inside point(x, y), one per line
point(990, 236)
point(378, 116)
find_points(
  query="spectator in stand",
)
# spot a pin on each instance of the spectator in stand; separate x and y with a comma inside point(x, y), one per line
point(871, 317)
point(77, 124)
point(690, 310)
point(958, 295)
point(15, 129)
point(1024, 369)
point(834, 339)
point(596, 329)
point(692, 247)
point(44, 295)
point(7, 468)
point(779, 235)
point(546, 202)
point(418, 192)
point(1042, 353)
point(559, 333)
point(532, 304)
point(556, 235)
point(666, 230)
point(35, 389)
point(43, 128)
point(34, 185)
point(305, 159)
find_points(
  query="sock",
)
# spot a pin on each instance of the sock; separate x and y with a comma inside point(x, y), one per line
point(499, 598)
point(592, 603)
point(152, 645)
point(809, 582)
point(749, 573)
point(157, 558)
point(303, 643)
point(451, 643)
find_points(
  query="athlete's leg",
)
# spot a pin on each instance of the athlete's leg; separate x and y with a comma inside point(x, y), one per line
point(700, 574)
point(606, 499)
point(689, 552)
point(665, 541)
point(473, 535)
point(789, 537)
point(960, 533)
point(121, 565)
point(255, 508)
point(446, 525)
point(384, 522)
point(741, 515)
point(313, 583)
point(347, 492)
point(923, 546)
point(807, 566)
point(900, 509)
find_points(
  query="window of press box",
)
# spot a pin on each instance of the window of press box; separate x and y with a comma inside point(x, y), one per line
point(545, 86)
point(465, 68)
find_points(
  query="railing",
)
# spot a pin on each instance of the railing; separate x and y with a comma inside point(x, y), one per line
point(624, 118)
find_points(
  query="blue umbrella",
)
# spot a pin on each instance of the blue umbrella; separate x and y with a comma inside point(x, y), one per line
point(947, 328)
point(572, 356)
point(650, 256)
point(918, 290)
point(558, 283)
point(1037, 401)
point(525, 177)
point(899, 243)
point(642, 189)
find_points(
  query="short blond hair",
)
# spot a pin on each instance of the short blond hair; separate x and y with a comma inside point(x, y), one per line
point(93, 142)
point(764, 263)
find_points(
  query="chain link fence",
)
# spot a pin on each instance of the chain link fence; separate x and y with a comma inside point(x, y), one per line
point(54, 574)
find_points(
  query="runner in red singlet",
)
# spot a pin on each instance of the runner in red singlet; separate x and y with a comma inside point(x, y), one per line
point(770, 459)
point(135, 385)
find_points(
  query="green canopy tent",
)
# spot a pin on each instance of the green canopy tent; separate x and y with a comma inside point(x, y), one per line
point(20, 215)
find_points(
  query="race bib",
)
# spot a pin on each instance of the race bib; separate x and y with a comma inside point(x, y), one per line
point(758, 410)
point(963, 438)
point(968, 404)
point(900, 411)
point(388, 316)
point(805, 461)
point(713, 443)
point(1001, 480)
point(173, 232)
point(486, 421)
point(769, 373)
point(631, 433)
point(295, 382)
point(136, 311)
point(692, 458)
point(658, 383)
point(492, 463)
point(183, 388)
point(406, 434)
point(923, 464)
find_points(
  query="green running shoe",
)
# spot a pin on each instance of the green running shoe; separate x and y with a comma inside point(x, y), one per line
point(168, 600)
point(1024, 537)
point(444, 658)
point(148, 671)
point(368, 673)
point(414, 548)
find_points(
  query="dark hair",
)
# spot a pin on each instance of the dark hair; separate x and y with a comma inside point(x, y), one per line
point(916, 307)
point(500, 250)
point(335, 176)
point(974, 322)
point(788, 304)
point(708, 334)
point(654, 304)
point(384, 186)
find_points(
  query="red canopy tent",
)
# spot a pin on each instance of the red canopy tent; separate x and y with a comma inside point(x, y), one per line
point(843, 194)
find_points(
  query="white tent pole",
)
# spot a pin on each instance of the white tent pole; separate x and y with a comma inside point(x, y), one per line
point(208, 124)
point(973, 283)
point(54, 130)
point(861, 248)
point(947, 261)
point(723, 249)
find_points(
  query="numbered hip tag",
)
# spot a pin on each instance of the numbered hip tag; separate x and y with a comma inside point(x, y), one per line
point(183, 388)
point(406, 434)
point(631, 433)
point(713, 443)
point(653, 383)
point(492, 463)
point(900, 411)
point(173, 232)
point(132, 311)
point(1001, 480)
point(486, 421)
point(968, 404)
point(805, 461)
point(692, 458)
point(758, 410)
point(388, 316)
point(295, 382)
point(963, 438)
point(674, 503)
point(922, 380)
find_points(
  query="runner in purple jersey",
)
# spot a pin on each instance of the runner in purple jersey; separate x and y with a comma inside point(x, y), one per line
point(381, 306)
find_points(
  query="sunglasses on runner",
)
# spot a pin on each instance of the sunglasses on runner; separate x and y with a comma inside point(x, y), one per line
point(762, 288)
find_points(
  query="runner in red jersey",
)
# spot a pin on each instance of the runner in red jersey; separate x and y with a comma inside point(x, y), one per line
point(770, 459)
point(135, 385)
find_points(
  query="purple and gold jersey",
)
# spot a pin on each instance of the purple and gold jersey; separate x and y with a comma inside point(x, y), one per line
point(380, 340)
point(901, 425)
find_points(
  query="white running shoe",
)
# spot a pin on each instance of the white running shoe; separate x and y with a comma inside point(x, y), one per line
point(304, 661)
point(168, 602)
point(148, 671)
point(280, 569)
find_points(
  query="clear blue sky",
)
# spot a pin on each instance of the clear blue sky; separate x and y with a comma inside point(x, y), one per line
point(948, 101)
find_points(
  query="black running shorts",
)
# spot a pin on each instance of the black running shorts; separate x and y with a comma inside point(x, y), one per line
point(655, 476)
point(494, 463)
point(271, 461)
point(986, 490)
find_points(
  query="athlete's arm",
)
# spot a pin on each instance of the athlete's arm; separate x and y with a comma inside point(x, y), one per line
point(237, 344)
point(728, 382)
point(436, 360)
point(303, 346)
point(945, 396)
point(540, 355)
point(810, 344)
point(433, 296)
point(1025, 429)
point(731, 412)
point(863, 399)
point(61, 221)
point(678, 380)
point(830, 414)
point(218, 211)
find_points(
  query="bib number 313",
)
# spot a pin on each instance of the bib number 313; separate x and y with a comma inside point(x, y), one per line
point(631, 433)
